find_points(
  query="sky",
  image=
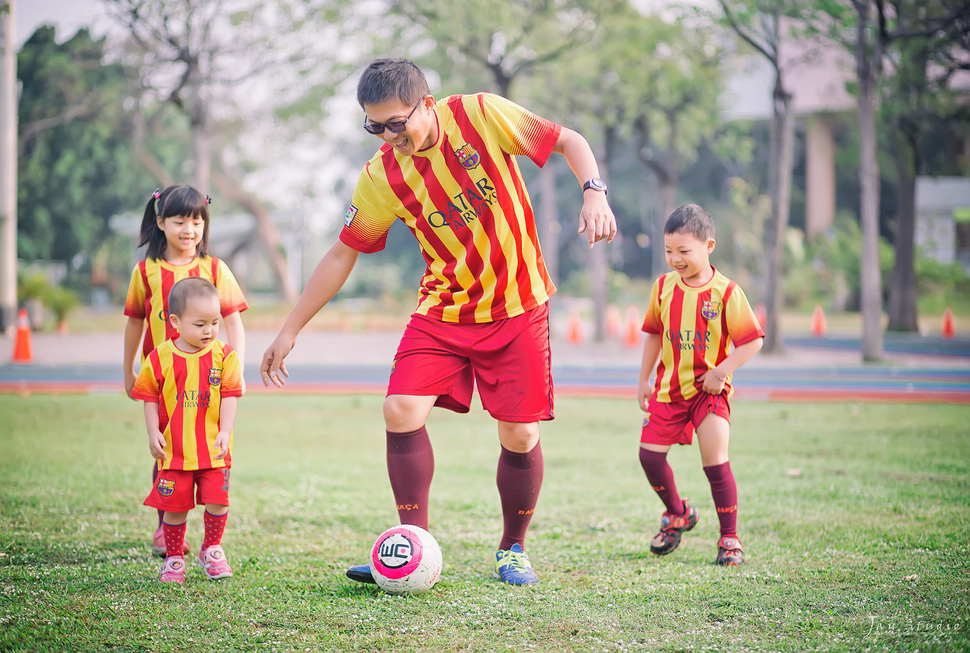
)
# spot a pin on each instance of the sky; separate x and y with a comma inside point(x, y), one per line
point(67, 15)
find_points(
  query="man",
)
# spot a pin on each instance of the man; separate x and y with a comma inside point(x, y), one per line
point(448, 170)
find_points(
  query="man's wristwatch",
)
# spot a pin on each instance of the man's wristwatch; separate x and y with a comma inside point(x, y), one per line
point(596, 184)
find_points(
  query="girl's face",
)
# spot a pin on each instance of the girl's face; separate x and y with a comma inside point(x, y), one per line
point(182, 235)
point(689, 257)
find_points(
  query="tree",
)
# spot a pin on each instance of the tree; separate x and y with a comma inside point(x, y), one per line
point(202, 58)
point(759, 24)
point(917, 98)
point(75, 161)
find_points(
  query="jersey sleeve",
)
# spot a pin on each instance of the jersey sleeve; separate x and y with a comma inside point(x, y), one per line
point(231, 298)
point(742, 323)
point(135, 300)
point(523, 132)
point(652, 322)
point(370, 216)
point(231, 385)
point(147, 387)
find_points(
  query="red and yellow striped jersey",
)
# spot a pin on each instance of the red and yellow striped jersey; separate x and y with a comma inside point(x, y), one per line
point(152, 280)
point(466, 203)
point(188, 389)
point(698, 326)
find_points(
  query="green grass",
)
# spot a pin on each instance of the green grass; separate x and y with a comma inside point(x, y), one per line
point(865, 547)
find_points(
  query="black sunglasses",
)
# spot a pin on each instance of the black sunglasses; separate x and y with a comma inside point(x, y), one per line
point(395, 126)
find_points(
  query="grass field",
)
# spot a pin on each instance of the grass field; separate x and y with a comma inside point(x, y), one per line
point(855, 519)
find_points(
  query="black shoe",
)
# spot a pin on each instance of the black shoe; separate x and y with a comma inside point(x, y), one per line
point(361, 574)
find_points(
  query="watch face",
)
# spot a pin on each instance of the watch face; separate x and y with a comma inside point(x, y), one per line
point(595, 183)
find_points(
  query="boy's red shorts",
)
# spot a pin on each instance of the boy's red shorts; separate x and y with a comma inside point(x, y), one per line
point(173, 489)
point(674, 423)
point(508, 360)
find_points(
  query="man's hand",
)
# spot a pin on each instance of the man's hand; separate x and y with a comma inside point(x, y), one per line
point(273, 369)
point(596, 219)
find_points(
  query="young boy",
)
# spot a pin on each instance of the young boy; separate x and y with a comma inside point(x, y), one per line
point(448, 170)
point(190, 386)
point(694, 316)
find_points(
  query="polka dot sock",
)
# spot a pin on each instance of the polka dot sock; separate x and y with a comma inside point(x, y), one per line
point(174, 538)
point(215, 526)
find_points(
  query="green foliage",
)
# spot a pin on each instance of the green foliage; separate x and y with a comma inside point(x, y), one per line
point(835, 558)
point(75, 165)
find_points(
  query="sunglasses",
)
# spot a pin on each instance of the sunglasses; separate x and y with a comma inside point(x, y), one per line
point(395, 126)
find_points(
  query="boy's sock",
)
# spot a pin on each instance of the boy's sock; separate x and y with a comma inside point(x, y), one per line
point(215, 526)
point(519, 479)
point(661, 478)
point(724, 489)
point(410, 466)
point(174, 537)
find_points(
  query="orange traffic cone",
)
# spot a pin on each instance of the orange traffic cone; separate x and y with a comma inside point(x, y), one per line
point(631, 338)
point(21, 348)
point(818, 322)
point(949, 330)
point(614, 325)
point(574, 332)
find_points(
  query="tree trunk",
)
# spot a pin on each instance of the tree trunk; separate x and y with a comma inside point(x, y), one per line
point(547, 216)
point(268, 235)
point(903, 314)
point(870, 281)
point(779, 182)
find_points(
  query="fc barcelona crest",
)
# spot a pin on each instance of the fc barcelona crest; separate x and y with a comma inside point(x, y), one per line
point(468, 157)
point(711, 309)
point(215, 376)
point(166, 487)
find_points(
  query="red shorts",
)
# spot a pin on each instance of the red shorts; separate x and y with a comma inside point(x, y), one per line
point(173, 489)
point(674, 423)
point(508, 360)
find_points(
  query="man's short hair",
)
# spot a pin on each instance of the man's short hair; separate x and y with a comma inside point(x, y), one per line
point(386, 80)
point(186, 289)
point(692, 219)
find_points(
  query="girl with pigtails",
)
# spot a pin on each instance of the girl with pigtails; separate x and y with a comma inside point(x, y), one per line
point(175, 228)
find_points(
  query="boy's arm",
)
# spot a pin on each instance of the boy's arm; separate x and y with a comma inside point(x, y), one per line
point(651, 353)
point(596, 218)
point(714, 379)
point(329, 277)
point(156, 440)
point(227, 417)
point(133, 331)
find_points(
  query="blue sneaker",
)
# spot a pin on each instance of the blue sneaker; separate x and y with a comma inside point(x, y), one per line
point(361, 574)
point(512, 566)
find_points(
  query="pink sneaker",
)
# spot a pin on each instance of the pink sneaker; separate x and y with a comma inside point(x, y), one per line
point(173, 570)
point(158, 544)
point(213, 562)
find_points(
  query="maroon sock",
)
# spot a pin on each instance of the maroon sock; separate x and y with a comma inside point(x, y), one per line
point(174, 538)
point(725, 492)
point(661, 478)
point(215, 526)
point(410, 466)
point(519, 479)
point(161, 513)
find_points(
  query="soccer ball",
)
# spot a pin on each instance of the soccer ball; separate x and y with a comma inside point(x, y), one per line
point(405, 559)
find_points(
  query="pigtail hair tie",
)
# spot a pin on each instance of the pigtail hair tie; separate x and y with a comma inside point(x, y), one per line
point(157, 194)
point(208, 200)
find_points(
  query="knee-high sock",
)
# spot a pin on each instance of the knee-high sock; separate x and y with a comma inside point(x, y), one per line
point(410, 466)
point(174, 538)
point(661, 478)
point(519, 479)
point(161, 513)
point(215, 526)
point(724, 489)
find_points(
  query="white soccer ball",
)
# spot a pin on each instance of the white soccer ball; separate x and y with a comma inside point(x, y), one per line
point(405, 559)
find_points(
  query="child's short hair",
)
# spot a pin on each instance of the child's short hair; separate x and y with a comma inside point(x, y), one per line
point(692, 219)
point(186, 289)
point(175, 200)
point(386, 80)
